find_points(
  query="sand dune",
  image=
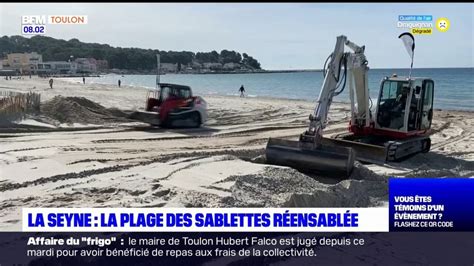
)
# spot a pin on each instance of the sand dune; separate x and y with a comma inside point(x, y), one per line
point(82, 152)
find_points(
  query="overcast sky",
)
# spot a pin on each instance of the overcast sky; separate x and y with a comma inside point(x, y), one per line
point(280, 36)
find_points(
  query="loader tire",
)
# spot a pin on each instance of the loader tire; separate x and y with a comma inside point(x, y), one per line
point(426, 146)
point(196, 119)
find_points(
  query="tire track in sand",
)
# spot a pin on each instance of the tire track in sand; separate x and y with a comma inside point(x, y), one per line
point(244, 153)
point(221, 135)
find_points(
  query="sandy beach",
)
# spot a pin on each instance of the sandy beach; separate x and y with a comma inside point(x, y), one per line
point(84, 152)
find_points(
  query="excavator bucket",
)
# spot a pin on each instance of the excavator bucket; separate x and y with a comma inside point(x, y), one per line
point(326, 160)
point(151, 118)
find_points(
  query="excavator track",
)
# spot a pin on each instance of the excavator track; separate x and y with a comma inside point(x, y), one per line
point(399, 150)
point(378, 150)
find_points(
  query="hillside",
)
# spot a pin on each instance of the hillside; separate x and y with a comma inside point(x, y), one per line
point(120, 58)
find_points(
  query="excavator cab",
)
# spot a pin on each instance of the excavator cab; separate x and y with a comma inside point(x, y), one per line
point(405, 106)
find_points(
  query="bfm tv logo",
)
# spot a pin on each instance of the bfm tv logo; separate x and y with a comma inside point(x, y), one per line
point(34, 25)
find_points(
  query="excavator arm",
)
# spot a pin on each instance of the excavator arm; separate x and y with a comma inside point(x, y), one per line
point(356, 66)
point(309, 153)
point(318, 119)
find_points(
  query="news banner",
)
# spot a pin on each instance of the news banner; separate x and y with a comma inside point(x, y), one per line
point(414, 205)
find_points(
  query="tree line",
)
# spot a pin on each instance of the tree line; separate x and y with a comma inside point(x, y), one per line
point(122, 58)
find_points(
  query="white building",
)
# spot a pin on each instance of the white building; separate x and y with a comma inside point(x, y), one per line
point(168, 67)
point(86, 65)
point(231, 66)
point(213, 66)
point(57, 67)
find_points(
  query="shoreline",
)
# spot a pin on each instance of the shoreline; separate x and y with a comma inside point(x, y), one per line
point(34, 84)
point(69, 80)
point(314, 101)
point(263, 71)
point(250, 97)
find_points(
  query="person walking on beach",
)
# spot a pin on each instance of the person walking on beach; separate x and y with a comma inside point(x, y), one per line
point(84, 80)
point(242, 90)
point(51, 83)
point(119, 82)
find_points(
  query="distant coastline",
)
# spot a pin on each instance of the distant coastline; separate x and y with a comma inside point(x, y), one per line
point(261, 71)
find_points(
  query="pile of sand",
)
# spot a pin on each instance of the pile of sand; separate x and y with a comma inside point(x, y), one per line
point(80, 110)
point(286, 187)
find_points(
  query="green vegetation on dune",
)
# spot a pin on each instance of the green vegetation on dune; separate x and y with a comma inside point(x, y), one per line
point(122, 58)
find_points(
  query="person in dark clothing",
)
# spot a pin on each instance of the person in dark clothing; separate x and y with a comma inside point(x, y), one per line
point(401, 99)
point(84, 80)
point(242, 90)
point(119, 83)
point(399, 109)
point(51, 83)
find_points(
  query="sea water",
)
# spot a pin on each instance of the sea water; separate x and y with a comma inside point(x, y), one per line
point(454, 87)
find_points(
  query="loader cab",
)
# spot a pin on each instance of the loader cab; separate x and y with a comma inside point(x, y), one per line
point(405, 105)
point(166, 92)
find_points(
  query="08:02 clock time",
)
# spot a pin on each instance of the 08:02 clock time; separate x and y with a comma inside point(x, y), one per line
point(32, 29)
